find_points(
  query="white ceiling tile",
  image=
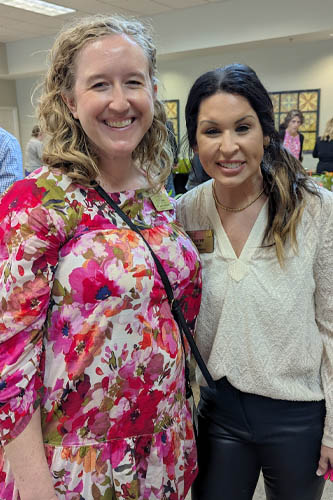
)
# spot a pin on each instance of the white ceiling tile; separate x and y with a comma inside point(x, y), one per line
point(84, 7)
point(182, 4)
point(39, 20)
point(139, 7)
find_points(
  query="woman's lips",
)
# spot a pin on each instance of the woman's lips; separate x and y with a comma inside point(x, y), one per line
point(231, 165)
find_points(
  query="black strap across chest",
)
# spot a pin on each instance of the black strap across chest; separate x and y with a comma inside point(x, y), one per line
point(174, 303)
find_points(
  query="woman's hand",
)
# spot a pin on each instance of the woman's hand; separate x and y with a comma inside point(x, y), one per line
point(326, 460)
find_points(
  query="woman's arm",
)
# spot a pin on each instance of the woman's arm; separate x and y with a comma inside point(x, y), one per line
point(315, 150)
point(31, 233)
point(323, 273)
point(27, 459)
point(301, 140)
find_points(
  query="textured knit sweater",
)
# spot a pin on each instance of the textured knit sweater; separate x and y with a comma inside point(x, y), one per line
point(268, 329)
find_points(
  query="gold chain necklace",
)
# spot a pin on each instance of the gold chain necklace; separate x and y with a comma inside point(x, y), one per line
point(229, 209)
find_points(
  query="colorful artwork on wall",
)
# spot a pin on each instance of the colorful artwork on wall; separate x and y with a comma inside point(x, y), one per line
point(306, 101)
point(172, 112)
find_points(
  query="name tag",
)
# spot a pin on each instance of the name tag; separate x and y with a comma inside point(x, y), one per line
point(203, 240)
point(161, 202)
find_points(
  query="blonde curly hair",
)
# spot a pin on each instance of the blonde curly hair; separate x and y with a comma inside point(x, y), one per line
point(67, 146)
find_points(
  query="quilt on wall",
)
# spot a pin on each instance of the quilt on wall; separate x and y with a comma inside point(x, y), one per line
point(307, 101)
point(172, 112)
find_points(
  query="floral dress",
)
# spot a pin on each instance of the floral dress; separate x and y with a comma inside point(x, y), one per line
point(86, 332)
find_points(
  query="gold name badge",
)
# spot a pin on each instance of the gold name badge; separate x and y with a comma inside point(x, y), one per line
point(203, 240)
point(161, 202)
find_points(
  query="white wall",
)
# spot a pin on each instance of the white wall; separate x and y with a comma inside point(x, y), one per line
point(290, 66)
point(8, 107)
point(228, 22)
point(28, 56)
point(3, 59)
point(7, 93)
point(24, 90)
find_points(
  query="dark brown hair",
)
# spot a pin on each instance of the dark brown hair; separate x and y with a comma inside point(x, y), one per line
point(285, 180)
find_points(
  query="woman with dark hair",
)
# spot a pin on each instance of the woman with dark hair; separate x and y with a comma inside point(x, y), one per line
point(265, 327)
point(290, 137)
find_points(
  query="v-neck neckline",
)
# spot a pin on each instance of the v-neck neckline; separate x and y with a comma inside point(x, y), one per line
point(253, 241)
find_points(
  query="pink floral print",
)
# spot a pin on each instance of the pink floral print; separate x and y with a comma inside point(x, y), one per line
point(86, 332)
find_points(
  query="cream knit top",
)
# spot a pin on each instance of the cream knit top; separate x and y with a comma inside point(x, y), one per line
point(268, 329)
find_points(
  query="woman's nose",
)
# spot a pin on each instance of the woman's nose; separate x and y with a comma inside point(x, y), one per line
point(118, 101)
point(228, 145)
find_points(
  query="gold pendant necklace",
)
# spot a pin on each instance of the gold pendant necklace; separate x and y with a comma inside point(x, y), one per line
point(229, 209)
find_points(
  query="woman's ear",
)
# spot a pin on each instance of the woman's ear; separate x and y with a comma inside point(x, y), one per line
point(267, 141)
point(70, 103)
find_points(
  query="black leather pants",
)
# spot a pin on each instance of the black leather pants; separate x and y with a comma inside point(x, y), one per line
point(242, 434)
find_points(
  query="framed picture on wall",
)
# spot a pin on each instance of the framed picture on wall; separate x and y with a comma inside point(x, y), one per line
point(306, 101)
point(172, 112)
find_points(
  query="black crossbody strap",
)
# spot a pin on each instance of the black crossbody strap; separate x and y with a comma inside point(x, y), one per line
point(174, 303)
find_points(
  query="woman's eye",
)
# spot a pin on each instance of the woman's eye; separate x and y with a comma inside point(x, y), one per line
point(99, 85)
point(211, 131)
point(134, 83)
point(242, 128)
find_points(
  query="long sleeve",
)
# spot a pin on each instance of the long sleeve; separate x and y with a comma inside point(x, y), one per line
point(315, 150)
point(323, 272)
point(301, 141)
point(11, 165)
point(31, 232)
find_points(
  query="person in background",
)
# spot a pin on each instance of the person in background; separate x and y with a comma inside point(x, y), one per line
point(170, 186)
point(197, 174)
point(34, 151)
point(11, 165)
point(324, 149)
point(290, 137)
point(92, 392)
point(265, 327)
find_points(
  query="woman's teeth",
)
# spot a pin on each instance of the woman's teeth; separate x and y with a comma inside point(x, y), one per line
point(123, 123)
point(231, 165)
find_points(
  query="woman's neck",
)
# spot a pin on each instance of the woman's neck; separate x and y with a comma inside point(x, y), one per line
point(238, 196)
point(116, 177)
point(293, 133)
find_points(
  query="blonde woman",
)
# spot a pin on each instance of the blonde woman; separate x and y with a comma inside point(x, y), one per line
point(265, 327)
point(324, 149)
point(91, 361)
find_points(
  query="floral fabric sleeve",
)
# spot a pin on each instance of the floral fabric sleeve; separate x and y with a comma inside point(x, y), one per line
point(32, 228)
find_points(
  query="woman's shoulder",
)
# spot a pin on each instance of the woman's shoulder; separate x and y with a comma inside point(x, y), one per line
point(192, 207)
point(46, 187)
point(320, 205)
point(282, 132)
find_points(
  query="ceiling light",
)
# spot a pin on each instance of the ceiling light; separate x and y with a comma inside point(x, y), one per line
point(45, 8)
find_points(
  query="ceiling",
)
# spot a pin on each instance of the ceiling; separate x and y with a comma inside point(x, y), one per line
point(17, 24)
